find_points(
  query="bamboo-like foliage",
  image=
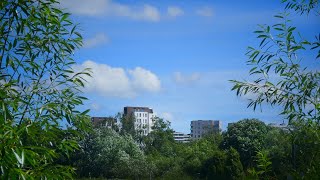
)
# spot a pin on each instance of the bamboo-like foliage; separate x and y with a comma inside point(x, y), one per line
point(39, 91)
point(286, 77)
point(282, 79)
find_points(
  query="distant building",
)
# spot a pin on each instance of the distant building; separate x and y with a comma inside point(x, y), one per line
point(143, 118)
point(108, 122)
point(181, 137)
point(281, 125)
point(230, 124)
point(200, 128)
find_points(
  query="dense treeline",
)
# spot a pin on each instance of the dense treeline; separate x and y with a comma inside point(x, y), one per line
point(247, 149)
point(44, 136)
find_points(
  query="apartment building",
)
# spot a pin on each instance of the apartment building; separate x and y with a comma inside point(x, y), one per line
point(181, 137)
point(143, 118)
point(108, 122)
point(200, 128)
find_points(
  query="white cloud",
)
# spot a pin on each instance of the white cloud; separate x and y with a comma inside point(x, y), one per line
point(146, 12)
point(98, 39)
point(174, 11)
point(110, 8)
point(143, 79)
point(86, 7)
point(149, 13)
point(179, 78)
point(205, 11)
point(116, 82)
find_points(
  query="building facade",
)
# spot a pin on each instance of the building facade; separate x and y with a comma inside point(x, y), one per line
point(231, 124)
point(281, 125)
point(200, 128)
point(181, 137)
point(108, 122)
point(143, 118)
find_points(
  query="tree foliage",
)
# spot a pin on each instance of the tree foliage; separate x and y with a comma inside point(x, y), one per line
point(105, 153)
point(277, 144)
point(247, 137)
point(160, 139)
point(303, 6)
point(281, 78)
point(284, 80)
point(38, 89)
point(234, 168)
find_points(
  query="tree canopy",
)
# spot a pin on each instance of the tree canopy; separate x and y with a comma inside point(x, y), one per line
point(247, 137)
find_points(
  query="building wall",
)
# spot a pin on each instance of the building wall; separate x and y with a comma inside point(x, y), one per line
point(181, 137)
point(143, 118)
point(104, 122)
point(199, 128)
point(281, 126)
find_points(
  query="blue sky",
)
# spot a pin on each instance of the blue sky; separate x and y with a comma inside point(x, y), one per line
point(173, 56)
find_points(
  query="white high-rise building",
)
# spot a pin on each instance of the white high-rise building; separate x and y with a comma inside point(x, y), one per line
point(143, 118)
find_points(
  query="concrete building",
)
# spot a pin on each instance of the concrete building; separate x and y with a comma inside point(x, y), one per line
point(108, 122)
point(143, 118)
point(181, 137)
point(230, 124)
point(281, 125)
point(199, 128)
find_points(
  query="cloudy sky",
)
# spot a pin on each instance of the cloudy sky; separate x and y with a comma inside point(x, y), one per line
point(173, 56)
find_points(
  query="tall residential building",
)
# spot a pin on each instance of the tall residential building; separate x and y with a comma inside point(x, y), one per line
point(199, 128)
point(181, 137)
point(143, 118)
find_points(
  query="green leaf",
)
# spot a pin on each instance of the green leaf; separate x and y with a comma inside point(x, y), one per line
point(85, 112)
point(262, 42)
point(291, 29)
point(278, 16)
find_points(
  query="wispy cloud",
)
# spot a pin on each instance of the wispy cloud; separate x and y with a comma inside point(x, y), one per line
point(95, 106)
point(86, 7)
point(98, 8)
point(117, 82)
point(174, 11)
point(167, 116)
point(96, 40)
point(186, 79)
point(205, 11)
